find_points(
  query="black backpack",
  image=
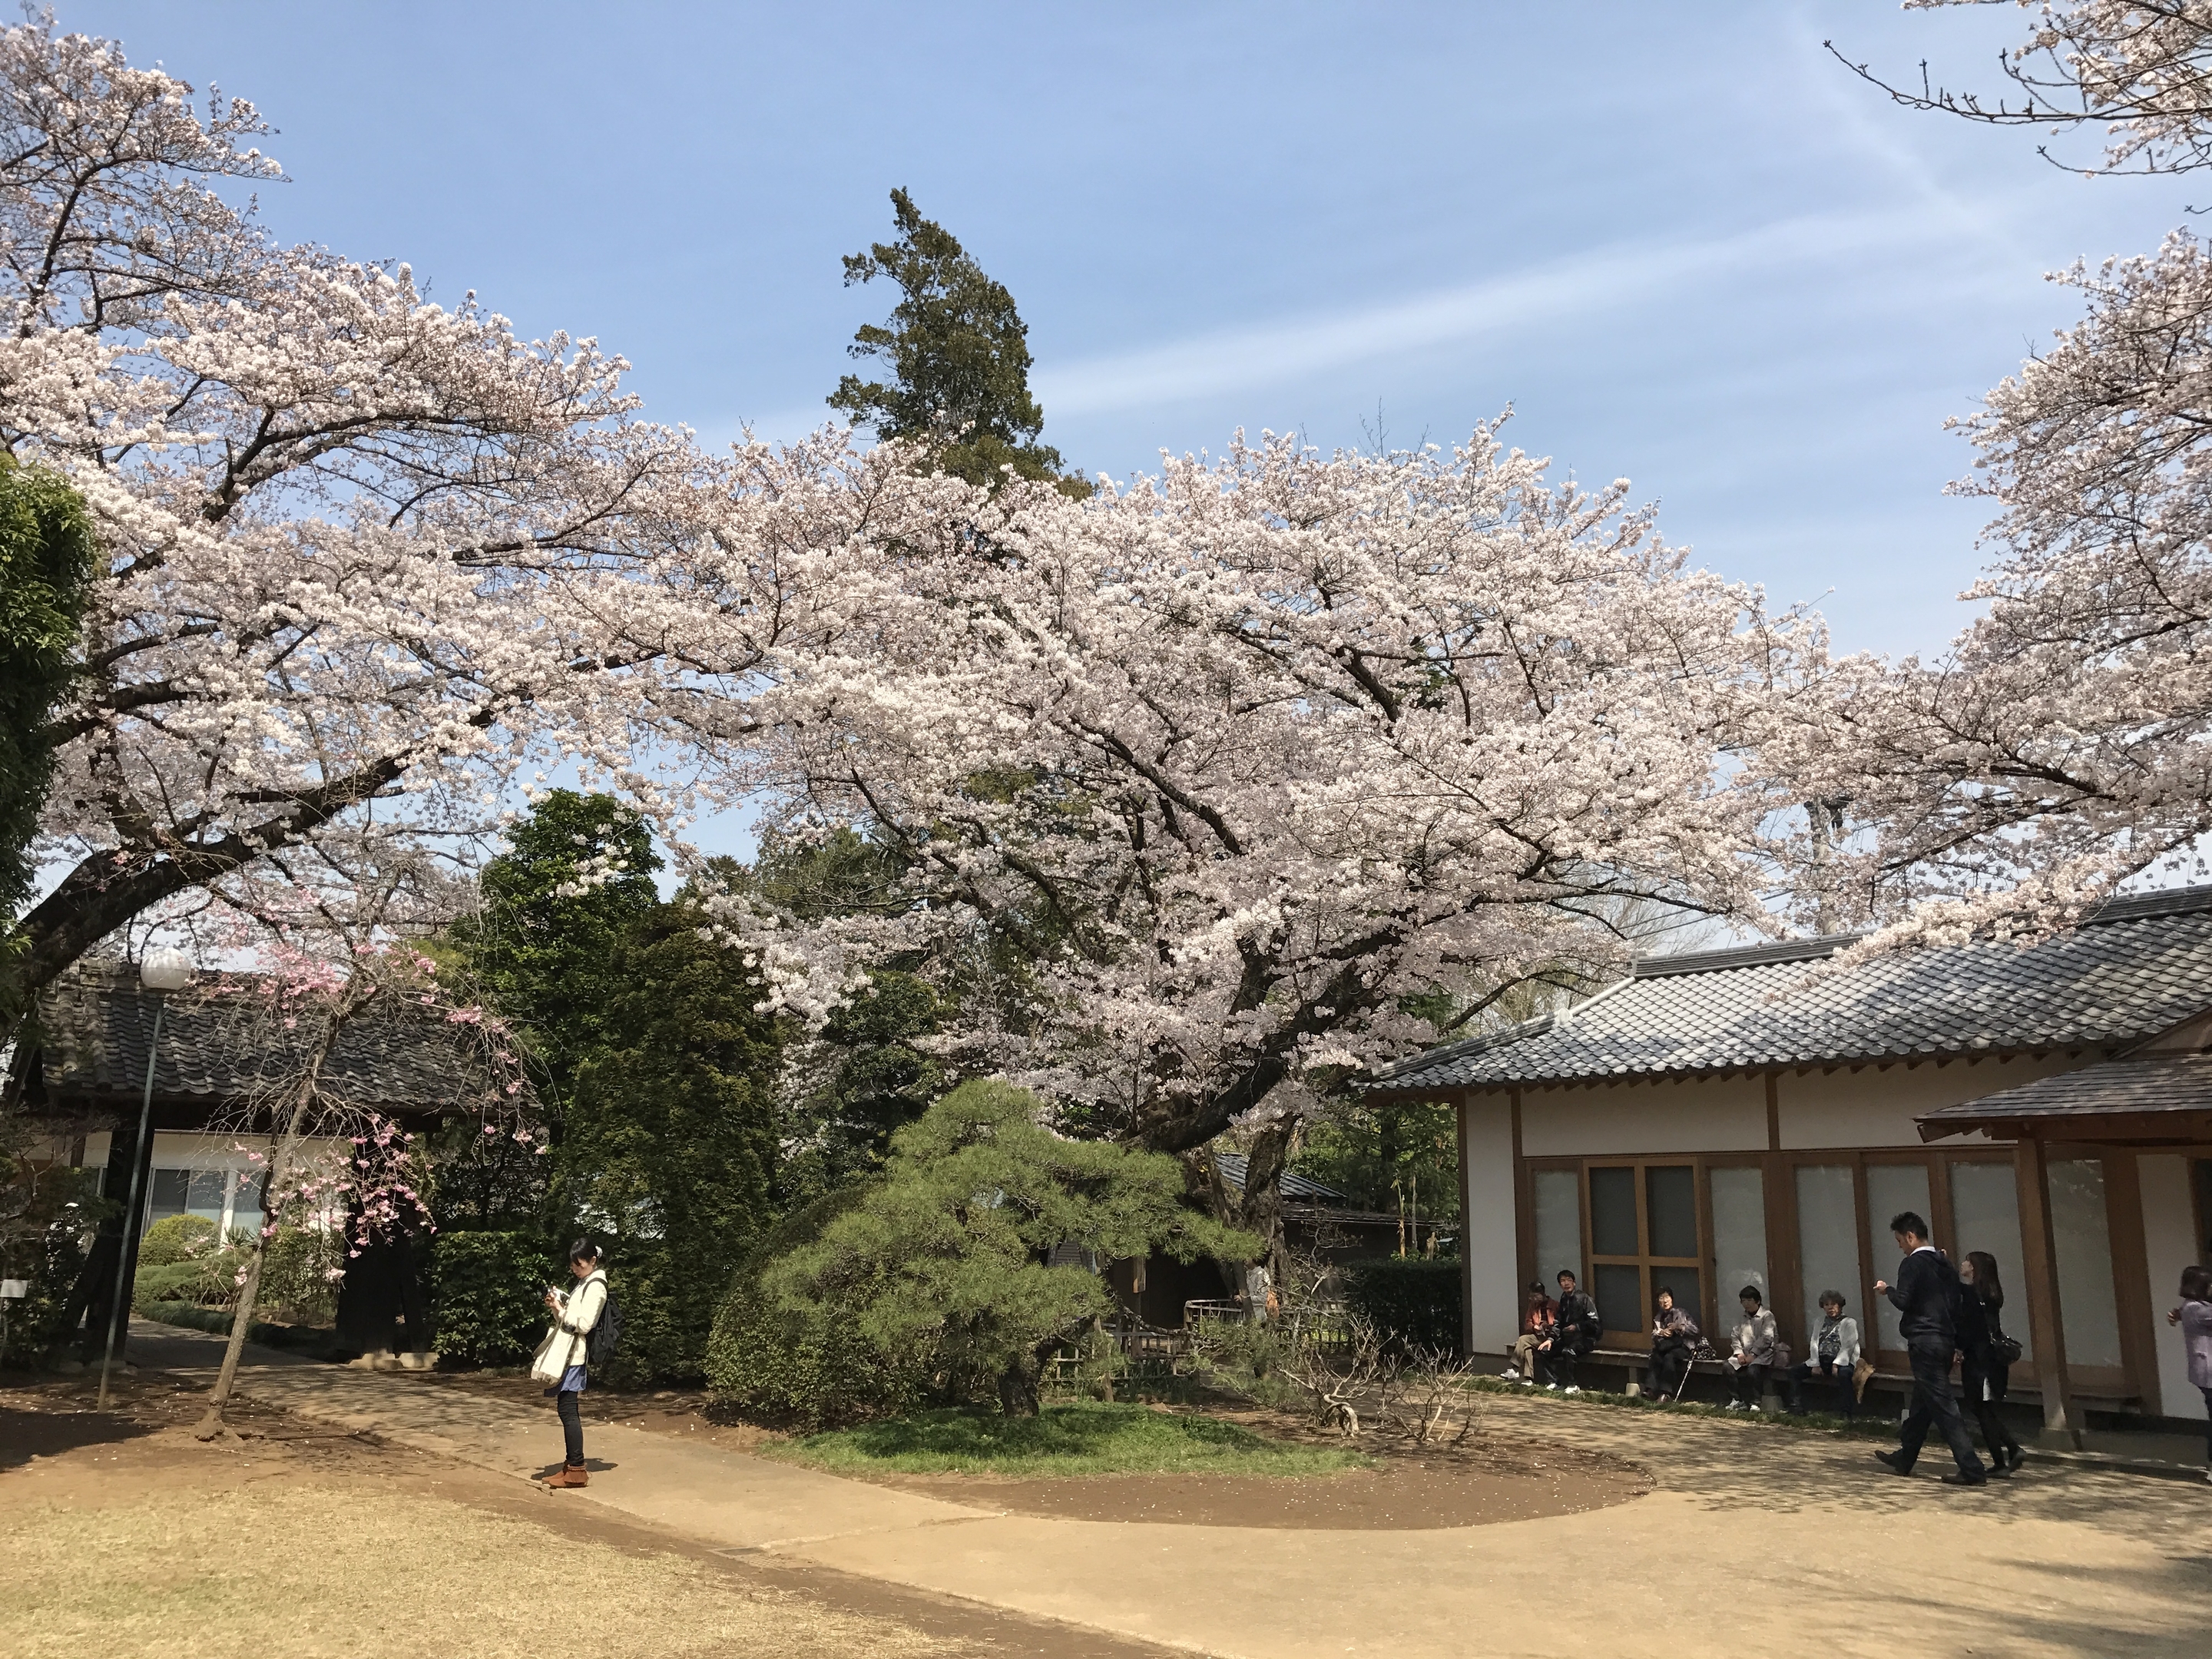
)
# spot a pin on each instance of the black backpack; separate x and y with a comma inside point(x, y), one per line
point(606, 1334)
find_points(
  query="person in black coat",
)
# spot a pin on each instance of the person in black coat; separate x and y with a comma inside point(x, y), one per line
point(1926, 1298)
point(1577, 1335)
point(1983, 1370)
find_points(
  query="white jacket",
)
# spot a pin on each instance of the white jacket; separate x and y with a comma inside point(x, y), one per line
point(1847, 1344)
point(566, 1338)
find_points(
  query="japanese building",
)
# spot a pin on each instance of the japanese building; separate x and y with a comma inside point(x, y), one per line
point(1755, 1116)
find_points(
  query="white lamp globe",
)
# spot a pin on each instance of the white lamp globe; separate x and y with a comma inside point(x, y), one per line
point(164, 969)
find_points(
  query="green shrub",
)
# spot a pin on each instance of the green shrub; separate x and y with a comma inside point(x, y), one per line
point(1414, 1303)
point(799, 1365)
point(208, 1282)
point(296, 1275)
point(487, 1295)
point(176, 1238)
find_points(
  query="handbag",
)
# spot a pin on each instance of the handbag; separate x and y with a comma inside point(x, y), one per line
point(2005, 1350)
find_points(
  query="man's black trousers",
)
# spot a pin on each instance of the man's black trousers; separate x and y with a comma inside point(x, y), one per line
point(1932, 1399)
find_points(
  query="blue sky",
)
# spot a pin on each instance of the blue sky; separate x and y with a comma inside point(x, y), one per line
point(1681, 241)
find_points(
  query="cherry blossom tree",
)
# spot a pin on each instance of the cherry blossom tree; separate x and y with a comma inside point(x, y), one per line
point(1227, 767)
point(2059, 747)
point(365, 557)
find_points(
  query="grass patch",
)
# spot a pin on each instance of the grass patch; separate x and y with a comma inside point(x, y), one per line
point(1078, 1439)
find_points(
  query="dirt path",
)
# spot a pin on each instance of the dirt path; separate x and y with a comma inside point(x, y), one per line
point(1779, 1528)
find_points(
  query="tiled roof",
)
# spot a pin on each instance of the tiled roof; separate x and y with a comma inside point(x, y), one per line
point(2156, 1083)
point(95, 1021)
point(1233, 1166)
point(2137, 966)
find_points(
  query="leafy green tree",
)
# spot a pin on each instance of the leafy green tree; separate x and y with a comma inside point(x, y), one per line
point(947, 1254)
point(957, 355)
point(46, 554)
point(668, 1144)
point(1380, 1156)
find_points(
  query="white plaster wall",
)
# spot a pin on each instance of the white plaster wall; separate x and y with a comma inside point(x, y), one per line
point(1875, 1106)
point(95, 1150)
point(1702, 1115)
point(2169, 1245)
point(1490, 1248)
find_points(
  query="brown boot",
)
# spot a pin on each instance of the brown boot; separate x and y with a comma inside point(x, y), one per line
point(572, 1476)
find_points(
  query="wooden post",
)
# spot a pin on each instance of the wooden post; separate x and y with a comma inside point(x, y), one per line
point(2031, 1176)
point(2131, 1275)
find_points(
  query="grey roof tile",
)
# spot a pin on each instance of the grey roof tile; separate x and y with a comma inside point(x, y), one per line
point(2136, 967)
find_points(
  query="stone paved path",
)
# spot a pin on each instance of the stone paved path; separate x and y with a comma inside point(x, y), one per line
point(1756, 1541)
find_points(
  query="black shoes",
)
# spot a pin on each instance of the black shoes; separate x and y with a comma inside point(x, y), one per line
point(1893, 1461)
point(1963, 1478)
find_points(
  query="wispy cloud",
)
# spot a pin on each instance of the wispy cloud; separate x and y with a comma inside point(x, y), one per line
point(1608, 278)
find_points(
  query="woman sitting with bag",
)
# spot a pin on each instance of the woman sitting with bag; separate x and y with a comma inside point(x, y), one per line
point(1834, 1358)
point(1674, 1339)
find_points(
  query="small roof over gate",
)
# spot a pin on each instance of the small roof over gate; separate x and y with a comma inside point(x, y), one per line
point(2149, 1098)
point(2137, 966)
point(95, 1023)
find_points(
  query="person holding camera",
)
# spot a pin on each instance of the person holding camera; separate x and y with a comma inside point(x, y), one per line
point(562, 1357)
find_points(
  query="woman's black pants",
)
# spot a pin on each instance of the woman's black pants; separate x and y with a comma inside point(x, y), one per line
point(1982, 1393)
point(569, 1403)
point(1847, 1393)
point(1670, 1363)
point(1751, 1383)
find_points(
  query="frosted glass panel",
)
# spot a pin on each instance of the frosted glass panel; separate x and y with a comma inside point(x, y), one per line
point(1891, 1187)
point(1740, 1238)
point(1985, 1215)
point(1828, 1238)
point(2085, 1262)
point(1558, 1224)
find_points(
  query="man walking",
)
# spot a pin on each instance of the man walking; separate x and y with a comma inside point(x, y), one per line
point(1926, 1297)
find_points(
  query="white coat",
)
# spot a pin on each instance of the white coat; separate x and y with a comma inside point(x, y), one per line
point(567, 1339)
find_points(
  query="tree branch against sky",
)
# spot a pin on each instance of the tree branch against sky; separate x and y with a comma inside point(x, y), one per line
point(2141, 70)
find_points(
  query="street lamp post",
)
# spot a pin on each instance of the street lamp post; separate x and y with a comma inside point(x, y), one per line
point(160, 971)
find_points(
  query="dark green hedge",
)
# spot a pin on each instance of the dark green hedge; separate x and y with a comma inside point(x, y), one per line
point(488, 1291)
point(1415, 1304)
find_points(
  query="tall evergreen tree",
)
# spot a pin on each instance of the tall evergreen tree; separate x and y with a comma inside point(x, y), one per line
point(45, 577)
point(576, 880)
point(959, 357)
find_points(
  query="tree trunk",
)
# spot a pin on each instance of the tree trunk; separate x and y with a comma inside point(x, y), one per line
point(1018, 1389)
point(281, 1161)
point(1260, 1206)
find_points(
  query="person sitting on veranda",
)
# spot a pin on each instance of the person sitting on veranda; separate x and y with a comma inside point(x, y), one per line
point(1674, 1339)
point(1751, 1350)
point(1538, 1325)
point(1834, 1358)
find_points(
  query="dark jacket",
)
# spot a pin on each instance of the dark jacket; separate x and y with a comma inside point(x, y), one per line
point(1577, 1321)
point(1926, 1297)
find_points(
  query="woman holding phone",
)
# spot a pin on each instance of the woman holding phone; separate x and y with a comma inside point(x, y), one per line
point(561, 1357)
